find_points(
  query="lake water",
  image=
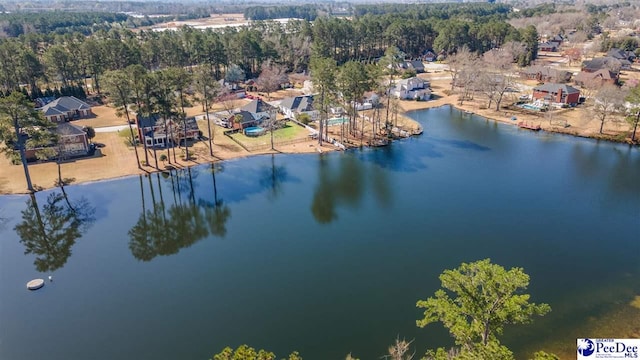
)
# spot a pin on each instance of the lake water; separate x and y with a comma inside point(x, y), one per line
point(324, 254)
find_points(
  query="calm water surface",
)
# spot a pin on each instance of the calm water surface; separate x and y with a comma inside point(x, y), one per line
point(322, 254)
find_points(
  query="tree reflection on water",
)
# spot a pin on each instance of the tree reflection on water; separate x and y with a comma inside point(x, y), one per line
point(181, 221)
point(50, 232)
point(346, 185)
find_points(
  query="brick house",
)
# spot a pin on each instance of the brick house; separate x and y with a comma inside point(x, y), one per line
point(544, 74)
point(548, 46)
point(72, 139)
point(557, 93)
point(154, 132)
point(66, 108)
point(600, 77)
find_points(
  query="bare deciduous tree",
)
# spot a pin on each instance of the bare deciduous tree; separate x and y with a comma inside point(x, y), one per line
point(459, 61)
point(400, 350)
point(228, 100)
point(495, 78)
point(590, 88)
point(573, 54)
point(608, 101)
point(271, 77)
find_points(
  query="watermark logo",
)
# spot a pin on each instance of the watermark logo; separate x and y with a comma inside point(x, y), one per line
point(586, 347)
point(590, 349)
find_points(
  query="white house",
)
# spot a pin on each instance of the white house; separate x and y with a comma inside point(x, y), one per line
point(259, 109)
point(292, 106)
point(412, 88)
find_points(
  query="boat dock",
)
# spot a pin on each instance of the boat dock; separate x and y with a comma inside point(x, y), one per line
point(524, 125)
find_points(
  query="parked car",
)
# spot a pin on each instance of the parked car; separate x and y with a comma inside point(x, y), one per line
point(223, 123)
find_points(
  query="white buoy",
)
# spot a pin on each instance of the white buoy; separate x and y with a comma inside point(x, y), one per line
point(35, 284)
point(50, 278)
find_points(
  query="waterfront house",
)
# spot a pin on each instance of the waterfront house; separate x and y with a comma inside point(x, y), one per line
point(155, 132)
point(72, 140)
point(412, 88)
point(66, 108)
point(292, 106)
point(244, 119)
point(557, 93)
point(260, 109)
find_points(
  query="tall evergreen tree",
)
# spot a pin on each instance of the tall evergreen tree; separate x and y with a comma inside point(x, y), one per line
point(22, 125)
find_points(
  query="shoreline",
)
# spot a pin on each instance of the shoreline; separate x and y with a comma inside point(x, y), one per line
point(226, 151)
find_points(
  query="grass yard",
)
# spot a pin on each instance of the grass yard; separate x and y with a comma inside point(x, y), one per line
point(290, 131)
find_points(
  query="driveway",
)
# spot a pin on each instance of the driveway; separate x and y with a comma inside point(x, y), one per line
point(113, 128)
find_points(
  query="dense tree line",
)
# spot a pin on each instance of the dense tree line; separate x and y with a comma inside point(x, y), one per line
point(308, 12)
point(140, 7)
point(440, 11)
point(57, 22)
point(72, 59)
point(627, 43)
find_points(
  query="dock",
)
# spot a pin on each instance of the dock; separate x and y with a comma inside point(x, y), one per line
point(524, 125)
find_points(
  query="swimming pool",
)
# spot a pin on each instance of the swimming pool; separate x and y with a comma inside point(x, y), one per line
point(337, 121)
point(254, 131)
point(530, 107)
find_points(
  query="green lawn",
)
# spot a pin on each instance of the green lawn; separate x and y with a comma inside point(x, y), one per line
point(290, 131)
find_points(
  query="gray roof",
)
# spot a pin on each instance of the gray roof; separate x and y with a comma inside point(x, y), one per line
point(555, 88)
point(298, 103)
point(258, 106)
point(66, 129)
point(548, 44)
point(621, 54)
point(150, 121)
point(247, 116)
point(64, 105)
point(604, 62)
point(416, 64)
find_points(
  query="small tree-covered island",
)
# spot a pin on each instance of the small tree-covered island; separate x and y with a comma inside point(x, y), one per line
point(434, 135)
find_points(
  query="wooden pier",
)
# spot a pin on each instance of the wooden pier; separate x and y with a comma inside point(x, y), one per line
point(524, 125)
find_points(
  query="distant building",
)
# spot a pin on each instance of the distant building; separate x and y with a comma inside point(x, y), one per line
point(600, 77)
point(430, 56)
point(607, 62)
point(545, 74)
point(622, 54)
point(548, 46)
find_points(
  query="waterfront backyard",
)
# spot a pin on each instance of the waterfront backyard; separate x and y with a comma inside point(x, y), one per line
point(327, 254)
